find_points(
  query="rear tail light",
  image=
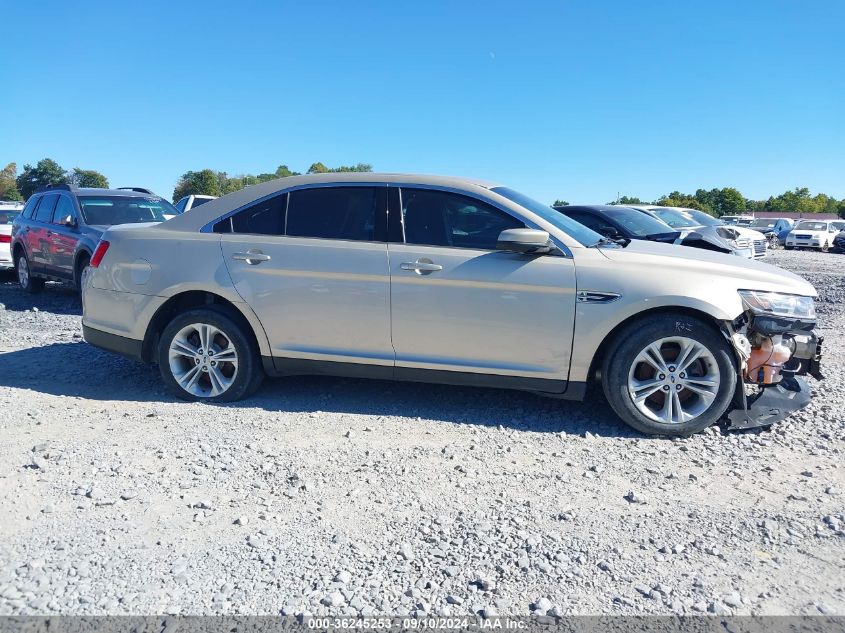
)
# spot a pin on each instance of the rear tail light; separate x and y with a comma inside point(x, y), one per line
point(5, 239)
point(99, 252)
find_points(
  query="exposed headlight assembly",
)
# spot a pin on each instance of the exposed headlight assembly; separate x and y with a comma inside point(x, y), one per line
point(779, 304)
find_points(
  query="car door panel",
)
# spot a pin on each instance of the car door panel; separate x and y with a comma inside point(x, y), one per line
point(487, 312)
point(63, 240)
point(317, 299)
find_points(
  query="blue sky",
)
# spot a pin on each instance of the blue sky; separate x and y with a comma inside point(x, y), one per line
point(578, 100)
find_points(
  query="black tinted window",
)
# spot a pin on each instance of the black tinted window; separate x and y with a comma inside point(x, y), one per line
point(30, 206)
point(440, 218)
point(199, 201)
point(63, 209)
point(338, 213)
point(588, 219)
point(263, 218)
point(180, 206)
point(44, 212)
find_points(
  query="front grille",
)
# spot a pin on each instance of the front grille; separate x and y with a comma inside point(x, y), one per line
point(760, 247)
point(801, 236)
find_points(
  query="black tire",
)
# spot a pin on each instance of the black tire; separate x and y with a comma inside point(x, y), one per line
point(826, 247)
point(250, 372)
point(79, 271)
point(774, 244)
point(635, 338)
point(32, 285)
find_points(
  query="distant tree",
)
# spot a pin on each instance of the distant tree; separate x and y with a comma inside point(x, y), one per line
point(560, 203)
point(627, 200)
point(46, 172)
point(284, 172)
point(731, 202)
point(204, 182)
point(8, 187)
point(88, 178)
point(318, 168)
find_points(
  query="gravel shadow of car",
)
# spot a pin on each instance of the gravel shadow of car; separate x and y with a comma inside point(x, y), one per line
point(82, 371)
point(57, 298)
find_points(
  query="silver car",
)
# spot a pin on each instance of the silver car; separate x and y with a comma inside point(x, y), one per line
point(455, 281)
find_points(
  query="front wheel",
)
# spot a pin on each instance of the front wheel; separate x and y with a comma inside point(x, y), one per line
point(669, 375)
point(204, 354)
point(29, 283)
point(825, 247)
point(774, 243)
point(81, 273)
point(788, 248)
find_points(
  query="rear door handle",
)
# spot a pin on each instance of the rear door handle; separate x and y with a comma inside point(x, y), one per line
point(252, 257)
point(422, 266)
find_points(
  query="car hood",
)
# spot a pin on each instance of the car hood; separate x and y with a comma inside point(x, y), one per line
point(751, 234)
point(681, 260)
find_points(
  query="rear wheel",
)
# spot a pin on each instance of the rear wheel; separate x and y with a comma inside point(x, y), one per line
point(204, 354)
point(669, 375)
point(25, 279)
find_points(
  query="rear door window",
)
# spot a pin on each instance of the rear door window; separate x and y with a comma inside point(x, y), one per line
point(63, 209)
point(335, 213)
point(44, 212)
point(266, 217)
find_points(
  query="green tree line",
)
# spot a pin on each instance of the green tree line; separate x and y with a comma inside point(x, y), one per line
point(218, 183)
point(729, 201)
point(14, 186)
point(717, 202)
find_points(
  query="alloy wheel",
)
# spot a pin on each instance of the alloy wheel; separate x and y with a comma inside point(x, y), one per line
point(23, 272)
point(674, 380)
point(203, 360)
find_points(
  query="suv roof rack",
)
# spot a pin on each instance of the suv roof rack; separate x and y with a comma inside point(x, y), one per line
point(138, 189)
point(55, 188)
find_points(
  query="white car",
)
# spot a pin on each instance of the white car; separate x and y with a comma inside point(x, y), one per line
point(8, 212)
point(737, 220)
point(813, 234)
point(189, 202)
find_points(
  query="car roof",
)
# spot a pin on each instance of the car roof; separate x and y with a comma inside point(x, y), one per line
point(594, 207)
point(203, 214)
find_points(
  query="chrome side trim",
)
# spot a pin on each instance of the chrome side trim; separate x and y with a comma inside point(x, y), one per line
point(596, 296)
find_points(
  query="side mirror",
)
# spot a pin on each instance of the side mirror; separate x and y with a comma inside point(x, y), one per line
point(69, 221)
point(608, 231)
point(524, 241)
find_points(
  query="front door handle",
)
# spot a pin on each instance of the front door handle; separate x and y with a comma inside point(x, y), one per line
point(422, 266)
point(252, 257)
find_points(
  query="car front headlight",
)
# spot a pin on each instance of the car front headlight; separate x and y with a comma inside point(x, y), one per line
point(779, 304)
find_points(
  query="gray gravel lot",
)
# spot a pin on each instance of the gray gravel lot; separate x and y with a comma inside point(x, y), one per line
point(342, 496)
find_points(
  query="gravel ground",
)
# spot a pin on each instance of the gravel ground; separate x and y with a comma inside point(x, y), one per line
point(342, 496)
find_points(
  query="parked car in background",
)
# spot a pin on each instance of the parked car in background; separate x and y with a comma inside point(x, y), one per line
point(737, 220)
point(189, 202)
point(56, 233)
point(772, 228)
point(8, 212)
point(623, 222)
point(437, 279)
point(813, 234)
point(743, 242)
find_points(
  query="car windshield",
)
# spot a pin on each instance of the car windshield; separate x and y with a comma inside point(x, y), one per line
point(578, 232)
point(635, 222)
point(764, 223)
point(812, 226)
point(674, 218)
point(704, 219)
point(108, 210)
point(7, 215)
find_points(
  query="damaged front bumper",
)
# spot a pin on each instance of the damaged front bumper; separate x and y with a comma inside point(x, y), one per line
point(772, 403)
